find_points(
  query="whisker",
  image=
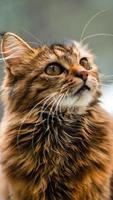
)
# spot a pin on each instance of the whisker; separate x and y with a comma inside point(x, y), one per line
point(57, 107)
point(106, 75)
point(35, 129)
point(52, 96)
point(106, 78)
point(56, 131)
point(60, 98)
point(51, 109)
point(25, 118)
point(32, 42)
point(52, 122)
point(101, 84)
point(15, 50)
point(56, 102)
point(67, 84)
point(33, 36)
point(91, 20)
point(96, 35)
point(107, 81)
point(12, 45)
point(40, 116)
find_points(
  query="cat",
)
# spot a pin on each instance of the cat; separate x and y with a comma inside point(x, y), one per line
point(56, 139)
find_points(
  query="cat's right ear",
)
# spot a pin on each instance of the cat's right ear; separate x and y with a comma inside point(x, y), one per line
point(14, 49)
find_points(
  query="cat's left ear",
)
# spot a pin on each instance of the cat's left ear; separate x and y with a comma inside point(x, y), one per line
point(14, 49)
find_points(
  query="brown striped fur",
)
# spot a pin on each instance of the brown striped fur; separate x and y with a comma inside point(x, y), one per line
point(51, 149)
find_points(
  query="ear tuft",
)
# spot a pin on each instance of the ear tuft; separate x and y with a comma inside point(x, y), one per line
point(13, 48)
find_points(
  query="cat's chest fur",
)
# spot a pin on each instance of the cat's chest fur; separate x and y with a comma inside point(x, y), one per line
point(58, 147)
point(65, 156)
point(53, 142)
point(53, 155)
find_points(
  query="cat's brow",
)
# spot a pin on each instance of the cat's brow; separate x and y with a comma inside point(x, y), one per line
point(62, 52)
point(58, 47)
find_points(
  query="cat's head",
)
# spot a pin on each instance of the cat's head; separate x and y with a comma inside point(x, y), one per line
point(59, 76)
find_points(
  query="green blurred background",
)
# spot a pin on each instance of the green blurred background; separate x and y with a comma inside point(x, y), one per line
point(51, 21)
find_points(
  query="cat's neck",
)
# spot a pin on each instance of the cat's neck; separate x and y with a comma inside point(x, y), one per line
point(61, 115)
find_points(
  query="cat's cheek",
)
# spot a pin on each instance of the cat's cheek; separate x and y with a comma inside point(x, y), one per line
point(92, 83)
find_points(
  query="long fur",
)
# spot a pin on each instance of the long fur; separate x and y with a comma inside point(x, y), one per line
point(50, 151)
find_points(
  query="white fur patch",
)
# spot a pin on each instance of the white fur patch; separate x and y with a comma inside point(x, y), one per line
point(84, 51)
point(83, 98)
point(77, 101)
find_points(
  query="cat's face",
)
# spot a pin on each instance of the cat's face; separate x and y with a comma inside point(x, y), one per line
point(58, 76)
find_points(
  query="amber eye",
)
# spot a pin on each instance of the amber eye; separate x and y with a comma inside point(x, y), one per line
point(84, 62)
point(54, 69)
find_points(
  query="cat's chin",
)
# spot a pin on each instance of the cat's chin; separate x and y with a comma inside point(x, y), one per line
point(79, 101)
point(82, 89)
point(83, 97)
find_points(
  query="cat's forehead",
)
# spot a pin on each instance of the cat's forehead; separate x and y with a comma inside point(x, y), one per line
point(72, 49)
point(67, 53)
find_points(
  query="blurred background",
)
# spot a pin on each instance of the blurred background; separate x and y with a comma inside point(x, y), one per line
point(39, 21)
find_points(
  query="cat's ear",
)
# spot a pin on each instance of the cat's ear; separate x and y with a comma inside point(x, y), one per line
point(14, 49)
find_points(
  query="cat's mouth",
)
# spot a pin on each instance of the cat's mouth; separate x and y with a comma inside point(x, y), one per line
point(83, 88)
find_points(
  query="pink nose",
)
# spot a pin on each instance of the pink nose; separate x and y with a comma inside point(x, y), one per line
point(83, 74)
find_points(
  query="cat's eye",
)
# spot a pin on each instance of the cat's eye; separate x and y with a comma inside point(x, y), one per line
point(84, 62)
point(54, 69)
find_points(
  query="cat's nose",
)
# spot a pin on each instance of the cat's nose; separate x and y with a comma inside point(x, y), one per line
point(82, 74)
